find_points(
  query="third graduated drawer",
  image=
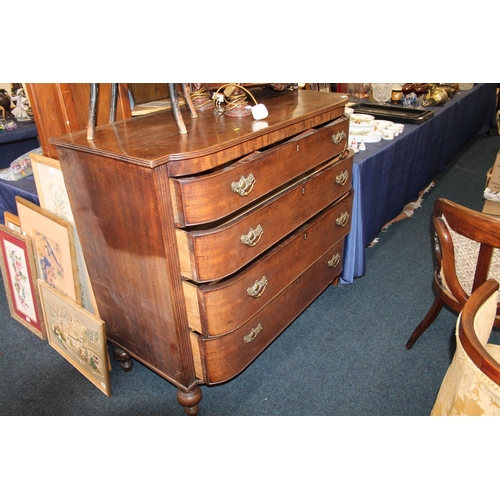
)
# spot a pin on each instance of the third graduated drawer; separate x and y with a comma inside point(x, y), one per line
point(218, 308)
point(216, 253)
point(210, 197)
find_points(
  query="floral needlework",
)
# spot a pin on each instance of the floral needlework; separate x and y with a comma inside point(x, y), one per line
point(58, 199)
point(20, 280)
point(76, 338)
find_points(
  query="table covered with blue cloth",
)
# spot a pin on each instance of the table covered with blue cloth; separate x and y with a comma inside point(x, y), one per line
point(13, 144)
point(390, 174)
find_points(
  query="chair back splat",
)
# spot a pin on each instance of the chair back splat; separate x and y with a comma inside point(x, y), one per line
point(467, 252)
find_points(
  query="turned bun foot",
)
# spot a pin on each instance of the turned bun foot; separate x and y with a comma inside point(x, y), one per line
point(189, 400)
point(124, 358)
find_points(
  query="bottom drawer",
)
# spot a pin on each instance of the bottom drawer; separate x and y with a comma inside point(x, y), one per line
point(222, 358)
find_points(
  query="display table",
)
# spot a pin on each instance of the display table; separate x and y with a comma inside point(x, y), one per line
point(13, 144)
point(390, 174)
point(9, 190)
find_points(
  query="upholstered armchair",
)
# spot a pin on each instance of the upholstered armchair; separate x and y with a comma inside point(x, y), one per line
point(471, 386)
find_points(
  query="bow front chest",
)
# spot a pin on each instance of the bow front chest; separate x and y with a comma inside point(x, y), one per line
point(202, 248)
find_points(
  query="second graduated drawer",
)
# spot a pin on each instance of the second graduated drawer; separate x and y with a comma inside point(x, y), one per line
point(218, 308)
point(210, 197)
point(216, 253)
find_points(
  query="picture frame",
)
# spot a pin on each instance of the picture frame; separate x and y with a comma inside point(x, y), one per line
point(77, 335)
point(53, 244)
point(17, 264)
point(53, 196)
point(12, 222)
point(50, 186)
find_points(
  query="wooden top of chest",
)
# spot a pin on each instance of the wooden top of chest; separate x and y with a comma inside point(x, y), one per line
point(153, 140)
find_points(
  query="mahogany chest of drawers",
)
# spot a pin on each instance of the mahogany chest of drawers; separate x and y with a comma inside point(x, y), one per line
point(202, 248)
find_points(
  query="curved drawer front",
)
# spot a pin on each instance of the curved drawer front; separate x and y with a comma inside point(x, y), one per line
point(226, 356)
point(216, 253)
point(217, 309)
point(206, 198)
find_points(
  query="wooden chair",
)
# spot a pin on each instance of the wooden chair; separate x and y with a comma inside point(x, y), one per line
point(471, 385)
point(174, 99)
point(466, 246)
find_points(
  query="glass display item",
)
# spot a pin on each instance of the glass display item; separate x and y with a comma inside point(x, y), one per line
point(420, 90)
point(382, 92)
point(408, 95)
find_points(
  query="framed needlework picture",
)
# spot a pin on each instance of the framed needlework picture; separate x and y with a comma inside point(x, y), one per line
point(19, 276)
point(50, 186)
point(53, 246)
point(78, 336)
point(53, 197)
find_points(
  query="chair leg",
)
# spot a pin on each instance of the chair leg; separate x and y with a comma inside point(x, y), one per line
point(435, 309)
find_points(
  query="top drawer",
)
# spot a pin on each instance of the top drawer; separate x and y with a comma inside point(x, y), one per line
point(206, 198)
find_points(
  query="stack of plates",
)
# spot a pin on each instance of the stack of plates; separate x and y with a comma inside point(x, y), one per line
point(363, 127)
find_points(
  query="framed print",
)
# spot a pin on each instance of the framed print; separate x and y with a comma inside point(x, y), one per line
point(53, 197)
point(50, 186)
point(53, 246)
point(78, 336)
point(12, 222)
point(19, 276)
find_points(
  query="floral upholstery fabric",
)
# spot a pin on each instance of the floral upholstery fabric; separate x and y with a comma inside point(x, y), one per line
point(466, 253)
point(465, 389)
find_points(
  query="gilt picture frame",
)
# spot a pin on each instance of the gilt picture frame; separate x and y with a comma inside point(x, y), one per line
point(53, 244)
point(53, 196)
point(17, 264)
point(12, 221)
point(77, 335)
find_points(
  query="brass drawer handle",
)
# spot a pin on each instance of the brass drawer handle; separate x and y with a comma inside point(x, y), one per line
point(243, 186)
point(343, 219)
point(257, 289)
point(253, 334)
point(342, 178)
point(339, 137)
point(252, 237)
point(334, 261)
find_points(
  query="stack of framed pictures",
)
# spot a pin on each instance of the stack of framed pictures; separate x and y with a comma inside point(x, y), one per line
point(46, 278)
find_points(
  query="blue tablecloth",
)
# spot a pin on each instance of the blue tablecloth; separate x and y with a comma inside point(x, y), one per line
point(390, 174)
point(14, 143)
point(24, 187)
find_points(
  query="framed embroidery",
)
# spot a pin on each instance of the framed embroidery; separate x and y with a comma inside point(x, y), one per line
point(53, 246)
point(78, 336)
point(19, 276)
